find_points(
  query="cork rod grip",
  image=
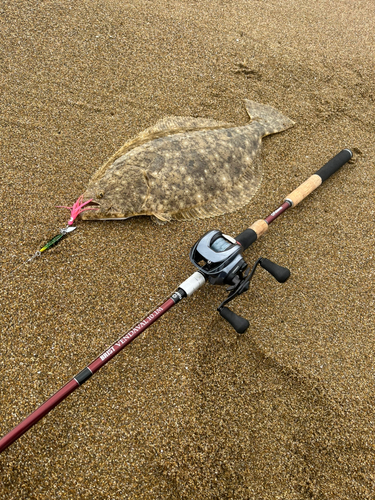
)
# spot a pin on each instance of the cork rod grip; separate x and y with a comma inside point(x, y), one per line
point(320, 176)
point(304, 190)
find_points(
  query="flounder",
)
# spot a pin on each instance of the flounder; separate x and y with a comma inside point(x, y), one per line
point(184, 168)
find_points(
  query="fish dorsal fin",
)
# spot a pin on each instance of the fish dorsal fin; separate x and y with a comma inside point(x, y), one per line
point(178, 124)
point(169, 125)
point(230, 200)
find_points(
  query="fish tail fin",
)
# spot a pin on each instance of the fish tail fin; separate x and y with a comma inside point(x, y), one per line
point(272, 120)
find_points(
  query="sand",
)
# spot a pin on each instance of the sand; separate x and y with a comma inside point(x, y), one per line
point(190, 410)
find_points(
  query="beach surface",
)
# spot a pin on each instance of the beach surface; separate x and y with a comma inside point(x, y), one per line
point(190, 410)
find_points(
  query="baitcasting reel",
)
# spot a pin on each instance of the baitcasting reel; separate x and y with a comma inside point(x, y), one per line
point(218, 258)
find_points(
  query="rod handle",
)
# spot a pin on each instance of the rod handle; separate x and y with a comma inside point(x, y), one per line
point(334, 164)
point(239, 324)
point(320, 176)
point(246, 238)
point(250, 235)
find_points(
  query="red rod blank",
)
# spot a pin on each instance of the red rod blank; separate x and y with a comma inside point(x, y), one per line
point(79, 379)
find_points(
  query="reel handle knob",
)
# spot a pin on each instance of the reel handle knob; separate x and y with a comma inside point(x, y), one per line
point(239, 324)
point(281, 274)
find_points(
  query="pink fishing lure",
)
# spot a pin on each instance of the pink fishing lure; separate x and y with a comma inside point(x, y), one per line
point(77, 208)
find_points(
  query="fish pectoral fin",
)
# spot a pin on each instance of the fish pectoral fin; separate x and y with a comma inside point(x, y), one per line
point(161, 219)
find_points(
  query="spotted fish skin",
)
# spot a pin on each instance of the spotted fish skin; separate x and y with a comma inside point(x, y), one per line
point(186, 174)
point(208, 164)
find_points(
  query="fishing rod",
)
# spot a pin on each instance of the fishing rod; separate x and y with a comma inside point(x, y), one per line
point(218, 258)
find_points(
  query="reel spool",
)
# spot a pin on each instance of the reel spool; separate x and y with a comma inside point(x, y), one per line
point(218, 257)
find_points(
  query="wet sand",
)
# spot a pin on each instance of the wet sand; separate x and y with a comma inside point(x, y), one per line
point(190, 410)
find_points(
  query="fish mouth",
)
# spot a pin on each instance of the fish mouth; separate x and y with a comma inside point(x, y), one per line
point(93, 204)
point(96, 211)
point(91, 210)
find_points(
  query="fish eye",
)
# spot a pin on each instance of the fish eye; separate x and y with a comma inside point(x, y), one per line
point(101, 194)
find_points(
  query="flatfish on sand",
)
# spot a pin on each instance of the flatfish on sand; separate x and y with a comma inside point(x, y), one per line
point(184, 168)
